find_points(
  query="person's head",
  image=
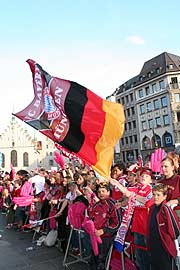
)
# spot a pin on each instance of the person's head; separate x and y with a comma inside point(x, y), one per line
point(42, 172)
point(22, 175)
point(103, 190)
point(66, 180)
point(118, 170)
point(17, 183)
point(175, 158)
point(160, 193)
point(145, 176)
point(72, 186)
point(91, 182)
point(54, 178)
point(92, 173)
point(167, 165)
point(131, 174)
point(78, 179)
point(5, 193)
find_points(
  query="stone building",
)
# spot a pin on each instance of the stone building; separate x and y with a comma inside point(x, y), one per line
point(152, 108)
point(25, 148)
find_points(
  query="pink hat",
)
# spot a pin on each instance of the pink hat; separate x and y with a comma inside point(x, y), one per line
point(133, 168)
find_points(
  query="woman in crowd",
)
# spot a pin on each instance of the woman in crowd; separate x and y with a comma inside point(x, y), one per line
point(171, 179)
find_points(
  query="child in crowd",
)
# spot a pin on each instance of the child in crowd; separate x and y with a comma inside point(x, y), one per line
point(163, 229)
point(118, 172)
point(106, 221)
point(143, 201)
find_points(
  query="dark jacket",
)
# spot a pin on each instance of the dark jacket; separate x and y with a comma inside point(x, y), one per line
point(168, 227)
point(106, 217)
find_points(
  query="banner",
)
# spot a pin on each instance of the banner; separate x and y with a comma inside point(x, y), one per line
point(74, 117)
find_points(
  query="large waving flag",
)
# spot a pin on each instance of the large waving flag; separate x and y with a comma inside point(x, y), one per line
point(74, 117)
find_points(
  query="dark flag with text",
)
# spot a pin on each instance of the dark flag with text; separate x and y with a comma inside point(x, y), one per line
point(74, 117)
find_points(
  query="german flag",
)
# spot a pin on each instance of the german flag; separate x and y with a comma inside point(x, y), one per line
point(74, 117)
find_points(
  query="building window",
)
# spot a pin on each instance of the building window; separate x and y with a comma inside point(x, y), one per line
point(126, 139)
point(125, 127)
point(134, 124)
point(141, 94)
point(3, 160)
point(131, 96)
point(178, 116)
point(149, 106)
point(25, 159)
point(149, 74)
point(118, 100)
point(122, 141)
point(144, 125)
point(130, 139)
point(156, 104)
point(154, 87)
point(129, 125)
point(164, 102)
point(162, 85)
point(151, 123)
point(51, 162)
point(171, 66)
point(142, 109)
point(174, 80)
point(14, 158)
point(135, 138)
point(127, 99)
point(166, 120)
point(177, 97)
point(157, 70)
point(167, 139)
point(132, 110)
point(128, 112)
point(148, 92)
point(158, 121)
point(122, 100)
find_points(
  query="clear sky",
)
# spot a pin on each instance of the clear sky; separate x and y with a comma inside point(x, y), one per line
point(97, 43)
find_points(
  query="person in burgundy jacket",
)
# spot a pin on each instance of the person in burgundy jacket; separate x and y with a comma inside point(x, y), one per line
point(106, 221)
point(172, 180)
point(162, 230)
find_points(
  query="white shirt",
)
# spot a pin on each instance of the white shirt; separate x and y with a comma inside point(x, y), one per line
point(38, 182)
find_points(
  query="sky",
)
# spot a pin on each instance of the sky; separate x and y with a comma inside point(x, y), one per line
point(99, 44)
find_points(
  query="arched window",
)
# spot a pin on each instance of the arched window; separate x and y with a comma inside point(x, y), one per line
point(146, 143)
point(3, 160)
point(25, 159)
point(14, 158)
point(167, 139)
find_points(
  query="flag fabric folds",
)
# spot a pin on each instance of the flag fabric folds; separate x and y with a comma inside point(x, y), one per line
point(74, 117)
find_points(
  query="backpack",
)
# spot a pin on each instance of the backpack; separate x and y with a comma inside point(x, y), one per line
point(51, 238)
point(76, 212)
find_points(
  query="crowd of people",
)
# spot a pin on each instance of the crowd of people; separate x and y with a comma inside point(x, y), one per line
point(130, 206)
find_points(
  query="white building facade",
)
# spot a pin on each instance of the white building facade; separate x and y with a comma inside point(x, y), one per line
point(23, 150)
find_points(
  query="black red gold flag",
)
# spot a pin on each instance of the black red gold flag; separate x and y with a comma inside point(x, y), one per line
point(74, 117)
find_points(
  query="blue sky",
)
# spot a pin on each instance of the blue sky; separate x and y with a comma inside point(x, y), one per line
point(97, 43)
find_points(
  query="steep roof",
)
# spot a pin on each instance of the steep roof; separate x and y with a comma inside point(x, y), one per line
point(165, 61)
point(158, 65)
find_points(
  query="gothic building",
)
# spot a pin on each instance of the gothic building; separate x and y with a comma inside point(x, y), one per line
point(25, 148)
